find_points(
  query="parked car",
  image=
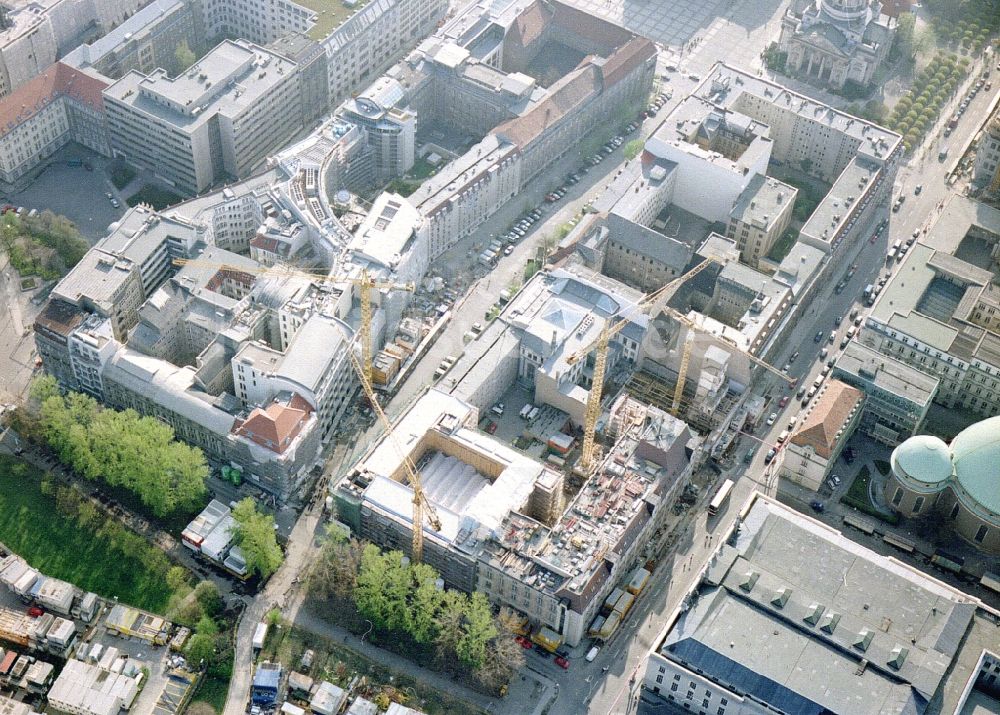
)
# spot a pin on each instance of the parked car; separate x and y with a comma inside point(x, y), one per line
point(783, 401)
point(817, 506)
point(818, 338)
point(491, 427)
point(772, 418)
point(769, 457)
point(562, 662)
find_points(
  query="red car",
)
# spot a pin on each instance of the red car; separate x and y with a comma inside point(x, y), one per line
point(35, 611)
point(562, 662)
point(874, 238)
point(524, 642)
point(491, 427)
point(783, 401)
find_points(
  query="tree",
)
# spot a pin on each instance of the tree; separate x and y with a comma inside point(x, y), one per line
point(207, 627)
point(633, 149)
point(255, 536)
point(504, 656)
point(477, 631)
point(177, 578)
point(200, 649)
point(208, 597)
point(905, 25)
point(425, 602)
point(383, 588)
point(122, 449)
point(335, 573)
point(450, 619)
point(184, 56)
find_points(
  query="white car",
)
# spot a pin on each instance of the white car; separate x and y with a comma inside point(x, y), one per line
point(772, 419)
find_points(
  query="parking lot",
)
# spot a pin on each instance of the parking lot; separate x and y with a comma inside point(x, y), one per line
point(74, 192)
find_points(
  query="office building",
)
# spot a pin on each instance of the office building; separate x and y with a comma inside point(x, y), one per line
point(957, 480)
point(218, 120)
point(897, 396)
point(790, 616)
point(833, 43)
point(940, 311)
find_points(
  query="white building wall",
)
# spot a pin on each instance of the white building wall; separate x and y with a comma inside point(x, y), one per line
point(704, 188)
point(663, 675)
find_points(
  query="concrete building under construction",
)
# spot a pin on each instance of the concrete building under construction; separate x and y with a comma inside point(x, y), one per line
point(510, 526)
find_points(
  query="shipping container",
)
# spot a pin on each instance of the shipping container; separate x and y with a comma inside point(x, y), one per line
point(547, 639)
point(637, 582)
point(259, 636)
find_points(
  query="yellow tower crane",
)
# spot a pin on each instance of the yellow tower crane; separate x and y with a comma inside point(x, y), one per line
point(686, 357)
point(600, 348)
point(422, 508)
point(365, 283)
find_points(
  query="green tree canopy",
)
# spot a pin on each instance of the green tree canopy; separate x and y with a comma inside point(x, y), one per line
point(255, 536)
point(183, 56)
point(633, 149)
point(123, 449)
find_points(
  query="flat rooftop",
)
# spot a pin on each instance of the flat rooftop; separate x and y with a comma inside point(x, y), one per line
point(836, 207)
point(890, 375)
point(795, 599)
point(229, 80)
point(762, 201)
point(387, 231)
point(133, 29)
point(24, 15)
point(928, 296)
point(725, 85)
point(437, 191)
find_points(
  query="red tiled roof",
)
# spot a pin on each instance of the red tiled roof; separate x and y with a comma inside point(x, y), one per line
point(564, 96)
point(622, 61)
point(831, 412)
point(528, 26)
point(56, 81)
point(275, 426)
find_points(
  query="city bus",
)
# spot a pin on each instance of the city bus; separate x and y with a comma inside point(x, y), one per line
point(721, 497)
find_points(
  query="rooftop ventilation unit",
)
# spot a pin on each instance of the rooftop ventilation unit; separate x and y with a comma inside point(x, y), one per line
point(781, 597)
point(863, 639)
point(815, 613)
point(749, 580)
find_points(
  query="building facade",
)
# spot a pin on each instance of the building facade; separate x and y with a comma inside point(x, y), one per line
point(957, 481)
point(832, 42)
point(41, 116)
point(897, 396)
point(217, 120)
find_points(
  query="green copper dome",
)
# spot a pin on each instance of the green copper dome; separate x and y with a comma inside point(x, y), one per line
point(922, 458)
point(976, 455)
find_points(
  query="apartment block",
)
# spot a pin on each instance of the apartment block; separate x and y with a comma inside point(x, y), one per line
point(218, 120)
point(41, 116)
point(41, 31)
point(760, 216)
point(144, 42)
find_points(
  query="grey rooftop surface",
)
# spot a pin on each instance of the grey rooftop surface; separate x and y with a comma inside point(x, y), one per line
point(762, 201)
point(229, 80)
point(836, 207)
point(725, 85)
point(798, 615)
point(887, 374)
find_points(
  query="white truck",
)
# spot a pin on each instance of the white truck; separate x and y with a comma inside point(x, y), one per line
point(259, 636)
